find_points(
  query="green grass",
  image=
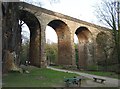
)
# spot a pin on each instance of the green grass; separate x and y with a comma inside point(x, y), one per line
point(36, 78)
point(106, 74)
point(95, 72)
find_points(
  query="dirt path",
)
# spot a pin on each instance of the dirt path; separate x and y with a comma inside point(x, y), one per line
point(110, 82)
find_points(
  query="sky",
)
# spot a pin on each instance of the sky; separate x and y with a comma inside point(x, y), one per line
point(80, 9)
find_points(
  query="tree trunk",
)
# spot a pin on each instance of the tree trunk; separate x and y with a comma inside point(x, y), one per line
point(11, 36)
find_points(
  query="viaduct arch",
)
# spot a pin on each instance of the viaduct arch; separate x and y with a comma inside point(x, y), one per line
point(35, 30)
point(85, 46)
point(64, 43)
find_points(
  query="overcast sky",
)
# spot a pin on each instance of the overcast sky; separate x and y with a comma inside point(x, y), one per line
point(81, 9)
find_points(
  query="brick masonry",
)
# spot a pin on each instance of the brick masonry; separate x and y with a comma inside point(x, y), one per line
point(65, 28)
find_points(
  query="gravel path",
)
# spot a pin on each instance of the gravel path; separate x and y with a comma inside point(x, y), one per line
point(110, 82)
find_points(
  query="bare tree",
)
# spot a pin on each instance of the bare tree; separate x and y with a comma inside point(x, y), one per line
point(109, 14)
point(54, 1)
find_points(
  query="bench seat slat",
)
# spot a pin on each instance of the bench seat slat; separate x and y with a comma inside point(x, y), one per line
point(95, 79)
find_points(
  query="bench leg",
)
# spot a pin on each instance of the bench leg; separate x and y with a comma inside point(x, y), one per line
point(79, 83)
point(95, 80)
point(67, 84)
point(102, 81)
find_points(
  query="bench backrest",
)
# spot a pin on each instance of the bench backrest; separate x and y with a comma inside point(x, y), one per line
point(98, 78)
point(72, 79)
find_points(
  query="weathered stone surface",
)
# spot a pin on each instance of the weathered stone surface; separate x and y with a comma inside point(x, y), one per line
point(9, 62)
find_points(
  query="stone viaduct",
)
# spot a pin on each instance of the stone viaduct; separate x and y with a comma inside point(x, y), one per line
point(65, 27)
point(38, 18)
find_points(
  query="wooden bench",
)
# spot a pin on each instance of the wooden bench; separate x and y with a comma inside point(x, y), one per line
point(101, 80)
point(74, 81)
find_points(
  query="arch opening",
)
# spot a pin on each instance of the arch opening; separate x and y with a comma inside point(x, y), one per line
point(85, 47)
point(76, 48)
point(65, 56)
point(35, 33)
point(51, 46)
point(25, 33)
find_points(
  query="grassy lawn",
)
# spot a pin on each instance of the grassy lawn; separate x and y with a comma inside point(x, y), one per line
point(106, 74)
point(99, 73)
point(38, 77)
